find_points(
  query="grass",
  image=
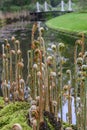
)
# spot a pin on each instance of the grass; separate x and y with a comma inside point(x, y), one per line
point(72, 22)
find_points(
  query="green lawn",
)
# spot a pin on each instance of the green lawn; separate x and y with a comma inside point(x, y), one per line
point(72, 22)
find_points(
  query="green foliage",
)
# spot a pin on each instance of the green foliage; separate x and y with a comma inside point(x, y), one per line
point(83, 5)
point(14, 113)
point(1, 102)
point(65, 125)
point(15, 8)
point(31, 7)
point(54, 3)
point(50, 126)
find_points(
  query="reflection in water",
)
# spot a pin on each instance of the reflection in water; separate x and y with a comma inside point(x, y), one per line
point(22, 32)
point(7, 31)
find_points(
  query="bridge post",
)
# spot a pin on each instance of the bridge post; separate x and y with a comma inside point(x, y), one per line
point(62, 5)
point(70, 5)
point(45, 6)
point(38, 7)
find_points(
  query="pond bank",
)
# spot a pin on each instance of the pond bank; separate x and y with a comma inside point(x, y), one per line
point(9, 17)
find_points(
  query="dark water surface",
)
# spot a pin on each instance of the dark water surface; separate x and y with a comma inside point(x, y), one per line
point(22, 32)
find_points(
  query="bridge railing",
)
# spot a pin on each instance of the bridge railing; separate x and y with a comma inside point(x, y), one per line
point(60, 7)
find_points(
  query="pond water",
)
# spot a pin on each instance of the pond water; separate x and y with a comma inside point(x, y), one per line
point(22, 32)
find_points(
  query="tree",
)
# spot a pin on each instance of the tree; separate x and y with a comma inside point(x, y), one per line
point(83, 4)
point(54, 2)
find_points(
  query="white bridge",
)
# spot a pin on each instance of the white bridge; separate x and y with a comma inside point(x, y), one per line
point(69, 6)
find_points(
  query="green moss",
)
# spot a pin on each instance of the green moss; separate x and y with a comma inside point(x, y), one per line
point(1, 102)
point(13, 107)
point(14, 113)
